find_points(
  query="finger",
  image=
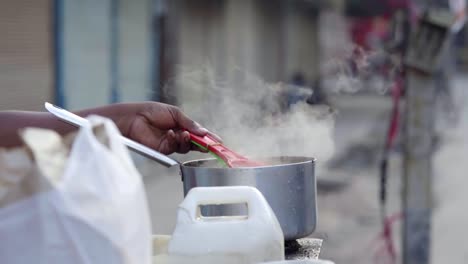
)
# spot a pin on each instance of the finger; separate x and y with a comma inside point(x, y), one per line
point(185, 122)
point(187, 144)
point(214, 136)
point(183, 140)
point(169, 145)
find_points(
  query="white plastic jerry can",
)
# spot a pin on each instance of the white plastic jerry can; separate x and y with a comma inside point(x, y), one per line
point(252, 238)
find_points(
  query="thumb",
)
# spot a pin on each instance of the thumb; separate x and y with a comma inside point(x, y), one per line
point(186, 123)
point(194, 127)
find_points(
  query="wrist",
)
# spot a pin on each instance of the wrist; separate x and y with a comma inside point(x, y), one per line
point(122, 114)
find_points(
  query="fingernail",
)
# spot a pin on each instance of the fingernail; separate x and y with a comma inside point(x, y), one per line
point(171, 133)
point(186, 136)
point(215, 136)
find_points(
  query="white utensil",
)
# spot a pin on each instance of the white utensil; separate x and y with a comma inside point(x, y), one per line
point(79, 121)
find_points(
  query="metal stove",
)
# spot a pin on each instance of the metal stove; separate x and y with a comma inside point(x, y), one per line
point(304, 248)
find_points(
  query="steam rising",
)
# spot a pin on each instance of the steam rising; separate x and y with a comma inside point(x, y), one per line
point(356, 69)
point(251, 115)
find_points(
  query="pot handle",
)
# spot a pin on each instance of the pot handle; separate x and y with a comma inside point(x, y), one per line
point(257, 206)
point(79, 121)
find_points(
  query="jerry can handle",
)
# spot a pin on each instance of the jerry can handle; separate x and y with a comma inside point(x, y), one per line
point(257, 206)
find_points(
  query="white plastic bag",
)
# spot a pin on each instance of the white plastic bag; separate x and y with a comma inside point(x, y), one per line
point(95, 213)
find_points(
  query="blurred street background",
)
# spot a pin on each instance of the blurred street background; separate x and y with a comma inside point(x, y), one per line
point(342, 59)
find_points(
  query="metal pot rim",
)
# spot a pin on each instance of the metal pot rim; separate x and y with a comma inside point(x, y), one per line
point(304, 160)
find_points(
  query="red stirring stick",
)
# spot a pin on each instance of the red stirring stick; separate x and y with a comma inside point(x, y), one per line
point(231, 158)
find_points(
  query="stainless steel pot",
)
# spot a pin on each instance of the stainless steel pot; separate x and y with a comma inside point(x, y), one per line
point(288, 185)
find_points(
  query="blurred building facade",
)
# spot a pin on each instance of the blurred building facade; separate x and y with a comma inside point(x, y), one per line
point(271, 39)
point(26, 57)
point(87, 53)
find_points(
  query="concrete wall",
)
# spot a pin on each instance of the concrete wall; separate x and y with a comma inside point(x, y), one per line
point(270, 39)
point(226, 35)
point(135, 50)
point(86, 57)
point(302, 49)
point(200, 35)
point(26, 62)
point(87, 52)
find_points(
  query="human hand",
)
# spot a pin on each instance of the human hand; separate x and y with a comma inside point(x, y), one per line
point(159, 126)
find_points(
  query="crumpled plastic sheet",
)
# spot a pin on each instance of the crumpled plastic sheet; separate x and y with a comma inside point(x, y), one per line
point(34, 167)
